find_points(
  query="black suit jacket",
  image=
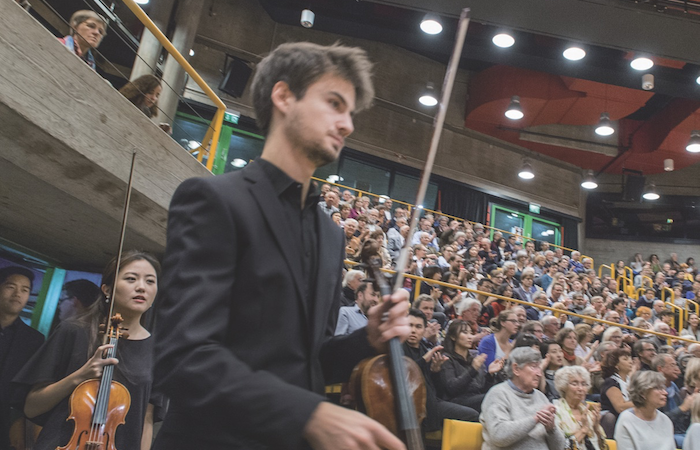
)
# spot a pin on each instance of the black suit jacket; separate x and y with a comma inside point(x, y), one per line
point(241, 353)
point(26, 342)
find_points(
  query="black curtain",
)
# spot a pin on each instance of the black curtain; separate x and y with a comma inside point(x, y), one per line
point(461, 201)
point(570, 232)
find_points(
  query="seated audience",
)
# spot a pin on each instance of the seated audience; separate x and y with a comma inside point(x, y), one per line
point(465, 378)
point(579, 422)
point(693, 330)
point(566, 338)
point(614, 395)
point(517, 416)
point(352, 318)
point(646, 351)
point(430, 363)
point(87, 29)
point(644, 426)
point(677, 409)
point(499, 344)
point(351, 281)
point(552, 361)
point(692, 437)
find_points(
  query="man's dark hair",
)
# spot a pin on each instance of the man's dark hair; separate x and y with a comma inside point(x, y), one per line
point(7, 272)
point(526, 340)
point(639, 346)
point(544, 347)
point(617, 301)
point(484, 280)
point(430, 271)
point(418, 313)
point(666, 313)
point(85, 291)
point(300, 64)
point(362, 287)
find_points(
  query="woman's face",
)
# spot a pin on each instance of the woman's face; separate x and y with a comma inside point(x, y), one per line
point(693, 320)
point(624, 365)
point(617, 338)
point(508, 292)
point(511, 324)
point(646, 315)
point(576, 390)
point(464, 338)
point(473, 251)
point(656, 397)
point(151, 98)
point(336, 218)
point(528, 375)
point(137, 287)
point(570, 343)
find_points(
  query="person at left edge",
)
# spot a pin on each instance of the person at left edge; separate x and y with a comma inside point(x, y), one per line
point(252, 275)
point(18, 341)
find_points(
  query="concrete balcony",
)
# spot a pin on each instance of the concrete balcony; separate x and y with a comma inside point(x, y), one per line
point(66, 139)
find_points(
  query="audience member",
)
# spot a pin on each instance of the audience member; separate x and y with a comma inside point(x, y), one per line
point(87, 29)
point(692, 437)
point(144, 92)
point(352, 318)
point(517, 416)
point(614, 395)
point(644, 426)
point(677, 409)
point(499, 344)
point(351, 281)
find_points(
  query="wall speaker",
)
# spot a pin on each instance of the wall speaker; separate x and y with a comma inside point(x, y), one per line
point(632, 187)
point(236, 76)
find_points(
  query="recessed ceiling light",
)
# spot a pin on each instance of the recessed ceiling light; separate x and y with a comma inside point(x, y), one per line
point(238, 162)
point(503, 40)
point(141, 2)
point(574, 53)
point(589, 181)
point(431, 24)
point(428, 97)
point(191, 52)
point(694, 142)
point(650, 193)
point(526, 172)
point(697, 80)
point(642, 63)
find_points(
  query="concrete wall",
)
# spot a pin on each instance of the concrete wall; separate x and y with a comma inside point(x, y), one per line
point(606, 251)
point(397, 128)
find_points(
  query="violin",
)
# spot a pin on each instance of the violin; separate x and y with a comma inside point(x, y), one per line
point(380, 383)
point(98, 407)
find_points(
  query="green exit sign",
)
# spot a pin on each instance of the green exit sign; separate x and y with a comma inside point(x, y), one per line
point(232, 118)
point(534, 208)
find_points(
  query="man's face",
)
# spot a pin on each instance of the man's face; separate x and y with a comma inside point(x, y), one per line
point(350, 228)
point(658, 307)
point(425, 239)
point(317, 124)
point(487, 286)
point(347, 196)
point(373, 216)
point(613, 316)
point(404, 230)
point(417, 330)
point(649, 295)
point(424, 224)
point(471, 314)
point(530, 246)
point(670, 369)
point(541, 300)
point(332, 199)
point(427, 307)
point(557, 290)
point(355, 282)
point(14, 294)
point(647, 353)
point(367, 299)
point(388, 205)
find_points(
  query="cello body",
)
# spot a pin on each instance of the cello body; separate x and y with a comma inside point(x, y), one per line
point(371, 387)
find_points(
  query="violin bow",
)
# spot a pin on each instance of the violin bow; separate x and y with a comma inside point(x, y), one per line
point(125, 215)
point(447, 85)
point(407, 422)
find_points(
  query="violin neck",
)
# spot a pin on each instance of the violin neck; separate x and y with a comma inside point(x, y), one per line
point(99, 417)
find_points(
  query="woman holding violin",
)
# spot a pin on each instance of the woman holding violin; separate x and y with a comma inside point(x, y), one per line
point(75, 353)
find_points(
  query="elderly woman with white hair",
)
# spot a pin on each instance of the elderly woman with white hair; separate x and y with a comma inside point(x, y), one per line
point(515, 415)
point(580, 423)
point(644, 426)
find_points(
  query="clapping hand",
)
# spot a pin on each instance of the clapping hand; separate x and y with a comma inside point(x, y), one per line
point(496, 366)
point(479, 361)
point(545, 416)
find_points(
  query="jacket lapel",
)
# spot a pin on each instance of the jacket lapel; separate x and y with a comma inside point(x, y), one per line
point(271, 208)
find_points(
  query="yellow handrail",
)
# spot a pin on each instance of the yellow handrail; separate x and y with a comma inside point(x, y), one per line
point(651, 282)
point(627, 269)
point(691, 302)
point(214, 131)
point(525, 303)
point(680, 314)
point(410, 206)
point(600, 270)
point(626, 282)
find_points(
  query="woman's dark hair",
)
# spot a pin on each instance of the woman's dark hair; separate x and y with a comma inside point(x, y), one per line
point(503, 288)
point(497, 322)
point(97, 312)
point(612, 358)
point(456, 327)
point(135, 91)
point(544, 347)
point(526, 340)
point(652, 256)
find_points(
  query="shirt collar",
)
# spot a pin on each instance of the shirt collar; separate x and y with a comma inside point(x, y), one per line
point(282, 183)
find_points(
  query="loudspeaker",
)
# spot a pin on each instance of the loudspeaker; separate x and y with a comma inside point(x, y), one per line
point(236, 77)
point(633, 187)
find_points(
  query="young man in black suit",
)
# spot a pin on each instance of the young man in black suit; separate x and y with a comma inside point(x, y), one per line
point(251, 284)
point(18, 341)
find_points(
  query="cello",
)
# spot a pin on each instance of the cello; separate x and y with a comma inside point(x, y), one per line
point(403, 419)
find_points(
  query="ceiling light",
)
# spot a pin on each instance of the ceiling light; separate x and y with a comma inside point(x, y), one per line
point(526, 172)
point(694, 142)
point(238, 162)
point(650, 192)
point(141, 2)
point(191, 52)
point(604, 127)
point(697, 80)
point(642, 63)
point(589, 181)
point(503, 40)
point(431, 24)
point(194, 144)
point(428, 97)
point(574, 53)
point(514, 111)
point(307, 18)
point(668, 165)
